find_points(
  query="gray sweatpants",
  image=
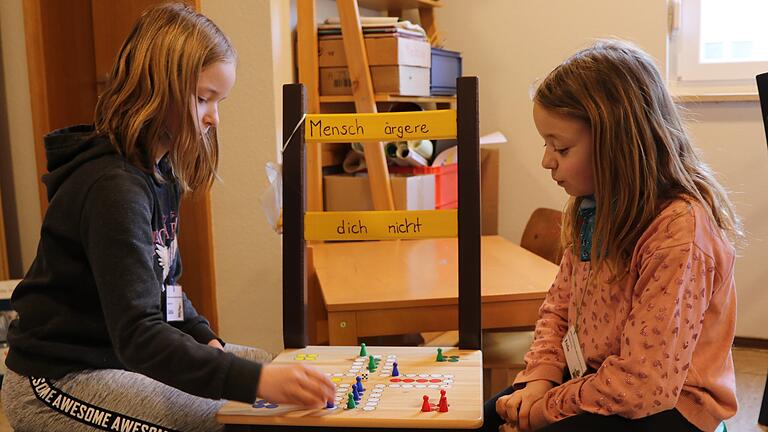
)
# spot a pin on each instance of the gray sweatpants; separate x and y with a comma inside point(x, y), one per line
point(124, 393)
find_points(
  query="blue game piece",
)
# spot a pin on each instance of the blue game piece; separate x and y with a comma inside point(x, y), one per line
point(355, 394)
point(360, 388)
point(271, 406)
point(395, 372)
point(330, 404)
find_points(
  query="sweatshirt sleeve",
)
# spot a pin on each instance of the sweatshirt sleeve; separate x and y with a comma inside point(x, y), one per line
point(545, 359)
point(117, 237)
point(670, 298)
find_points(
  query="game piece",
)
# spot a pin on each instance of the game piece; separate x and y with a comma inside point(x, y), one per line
point(440, 357)
point(371, 364)
point(363, 351)
point(442, 396)
point(395, 372)
point(355, 394)
point(360, 388)
point(351, 402)
point(425, 407)
point(443, 405)
point(330, 404)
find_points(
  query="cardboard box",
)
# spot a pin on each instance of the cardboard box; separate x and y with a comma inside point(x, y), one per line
point(402, 80)
point(382, 51)
point(353, 193)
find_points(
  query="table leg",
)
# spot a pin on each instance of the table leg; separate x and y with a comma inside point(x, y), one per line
point(763, 418)
point(342, 328)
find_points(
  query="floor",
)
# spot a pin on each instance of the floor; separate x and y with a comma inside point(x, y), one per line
point(751, 369)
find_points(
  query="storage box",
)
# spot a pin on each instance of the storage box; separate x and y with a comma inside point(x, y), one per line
point(446, 67)
point(446, 182)
point(402, 80)
point(353, 193)
point(446, 186)
point(382, 51)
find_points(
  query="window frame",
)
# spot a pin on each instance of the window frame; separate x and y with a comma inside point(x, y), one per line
point(687, 73)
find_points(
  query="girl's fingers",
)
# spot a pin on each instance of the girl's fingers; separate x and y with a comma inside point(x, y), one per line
point(513, 405)
point(501, 408)
point(327, 388)
point(522, 415)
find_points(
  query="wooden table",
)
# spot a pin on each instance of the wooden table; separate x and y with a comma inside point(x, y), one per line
point(386, 401)
point(408, 286)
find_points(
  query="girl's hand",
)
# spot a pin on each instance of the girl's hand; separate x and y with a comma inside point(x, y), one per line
point(515, 408)
point(216, 344)
point(295, 384)
point(536, 419)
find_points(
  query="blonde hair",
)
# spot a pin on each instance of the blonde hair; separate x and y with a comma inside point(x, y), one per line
point(643, 157)
point(155, 77)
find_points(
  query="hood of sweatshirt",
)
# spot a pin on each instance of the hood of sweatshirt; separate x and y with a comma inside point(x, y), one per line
point(68, 148)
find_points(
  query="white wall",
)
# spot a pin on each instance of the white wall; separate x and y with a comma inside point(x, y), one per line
point(246, 250)
point(510, 44)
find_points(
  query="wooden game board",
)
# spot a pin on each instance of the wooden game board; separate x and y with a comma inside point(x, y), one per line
point(392, 402)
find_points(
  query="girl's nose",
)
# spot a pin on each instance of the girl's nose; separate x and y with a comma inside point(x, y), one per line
point(548, 160)
point(211, 119)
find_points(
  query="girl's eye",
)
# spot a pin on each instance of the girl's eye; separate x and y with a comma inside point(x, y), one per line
point(201, 100)
point(563, 151)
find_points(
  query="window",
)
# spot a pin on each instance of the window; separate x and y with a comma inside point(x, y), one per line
point(720, 42)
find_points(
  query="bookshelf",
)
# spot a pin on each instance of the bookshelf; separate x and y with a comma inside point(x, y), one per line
point(363, 97)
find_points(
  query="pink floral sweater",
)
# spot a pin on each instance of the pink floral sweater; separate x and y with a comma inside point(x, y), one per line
point(658, 339)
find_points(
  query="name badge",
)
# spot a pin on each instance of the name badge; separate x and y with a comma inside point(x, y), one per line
point(573, 356)
point(174, 303)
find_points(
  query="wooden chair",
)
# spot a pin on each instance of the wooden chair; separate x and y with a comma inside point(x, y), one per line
point(542, 234)
point(503, 351)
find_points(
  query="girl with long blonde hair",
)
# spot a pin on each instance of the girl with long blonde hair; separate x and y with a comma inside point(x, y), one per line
point(106, 338)
point(636, 330)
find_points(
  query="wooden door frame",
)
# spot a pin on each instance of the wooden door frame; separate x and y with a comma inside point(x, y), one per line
point(62, 84)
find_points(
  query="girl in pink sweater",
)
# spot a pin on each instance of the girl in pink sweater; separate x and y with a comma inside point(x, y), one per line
point(641, 315)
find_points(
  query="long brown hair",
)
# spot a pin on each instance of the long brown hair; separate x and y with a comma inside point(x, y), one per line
point(643, 156)
point(155, 77)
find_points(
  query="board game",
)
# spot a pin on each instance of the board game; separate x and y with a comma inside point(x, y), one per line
point(402, 387)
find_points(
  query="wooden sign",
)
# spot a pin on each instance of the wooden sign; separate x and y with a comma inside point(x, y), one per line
point(398, 126)
point(380, 225)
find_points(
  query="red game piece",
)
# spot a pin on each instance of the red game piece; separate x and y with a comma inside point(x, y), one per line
point(443, 405)
point(425, 407)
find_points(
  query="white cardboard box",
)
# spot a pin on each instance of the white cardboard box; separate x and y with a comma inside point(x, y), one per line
point(381, 51)
point(402, 80)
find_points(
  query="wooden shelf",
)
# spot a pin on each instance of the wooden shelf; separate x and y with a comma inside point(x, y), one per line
point(386, 5)
point(384, 97)
point(716, 97)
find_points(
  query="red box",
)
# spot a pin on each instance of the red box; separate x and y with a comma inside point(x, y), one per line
point(446, 182)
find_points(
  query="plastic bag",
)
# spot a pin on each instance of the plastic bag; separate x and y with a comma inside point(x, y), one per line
point(272, 198)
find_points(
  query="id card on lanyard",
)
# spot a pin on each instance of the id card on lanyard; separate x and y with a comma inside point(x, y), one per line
point(174, 303)
point(573, 356)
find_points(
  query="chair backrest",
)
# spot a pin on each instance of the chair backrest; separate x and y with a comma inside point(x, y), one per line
point(542, 234)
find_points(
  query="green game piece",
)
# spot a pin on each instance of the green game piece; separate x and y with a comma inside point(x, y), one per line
point(440, 357)
point(363, 351)
point(371, 364)
point(454, 360)
point(351, 402)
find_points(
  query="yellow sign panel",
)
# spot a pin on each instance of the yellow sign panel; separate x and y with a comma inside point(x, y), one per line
point(380, 225)
point(399, 126)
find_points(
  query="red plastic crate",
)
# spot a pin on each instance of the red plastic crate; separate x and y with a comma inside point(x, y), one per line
point(446, 182)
